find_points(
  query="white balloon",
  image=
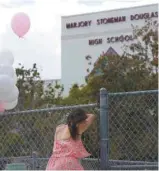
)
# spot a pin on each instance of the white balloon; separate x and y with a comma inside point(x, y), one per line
point(3, 95)
point(9, 96)
point(15, 78)
point(11, 105)
point(6, 57)
point(6, 84)
point(7, 70)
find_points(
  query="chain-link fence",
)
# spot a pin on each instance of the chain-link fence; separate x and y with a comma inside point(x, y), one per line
point(128, 137)
point(133, 129)
point(27, 137)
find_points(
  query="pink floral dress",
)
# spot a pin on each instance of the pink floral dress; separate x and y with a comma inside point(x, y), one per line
point(66, 155)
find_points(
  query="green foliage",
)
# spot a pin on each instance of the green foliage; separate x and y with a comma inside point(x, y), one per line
point(77, 95)
point(32, 94)
point(133, 127)
point(146, 41)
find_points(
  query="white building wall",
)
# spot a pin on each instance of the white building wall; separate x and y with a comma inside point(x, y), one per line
point(75, 41)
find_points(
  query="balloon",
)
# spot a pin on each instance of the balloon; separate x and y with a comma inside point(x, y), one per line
point(7, 70)
point(11, 105)
point(15, 78)
point(6, 84)
point(20, 24)
point(6, 57)
point(9, 96)
point(2, 107)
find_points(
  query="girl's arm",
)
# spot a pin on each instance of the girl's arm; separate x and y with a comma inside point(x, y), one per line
point(85, 124)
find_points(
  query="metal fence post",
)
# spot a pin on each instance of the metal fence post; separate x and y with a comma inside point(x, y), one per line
point(104, 137)
point(34, 156)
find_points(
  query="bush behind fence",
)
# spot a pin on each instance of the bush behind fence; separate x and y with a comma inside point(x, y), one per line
point(133, 126)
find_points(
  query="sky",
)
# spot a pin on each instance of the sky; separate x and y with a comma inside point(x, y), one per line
point(42, 44)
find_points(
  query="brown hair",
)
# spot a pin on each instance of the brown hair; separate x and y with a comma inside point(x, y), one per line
point(75, 117)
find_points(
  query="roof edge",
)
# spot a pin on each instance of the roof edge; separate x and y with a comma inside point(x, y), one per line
point(83, 14)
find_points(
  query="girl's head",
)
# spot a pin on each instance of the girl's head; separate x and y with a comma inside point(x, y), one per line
point(75, 117)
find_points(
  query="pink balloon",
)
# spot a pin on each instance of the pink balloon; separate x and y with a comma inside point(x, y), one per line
point(2, 107)
point(20, 24)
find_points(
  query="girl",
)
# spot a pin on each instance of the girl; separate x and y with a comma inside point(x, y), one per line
point(68, 146)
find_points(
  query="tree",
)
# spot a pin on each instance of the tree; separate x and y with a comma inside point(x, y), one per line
point(52, 95)
point(32, 94)
point(145, 46)
point(149, 40)
point(77, 95)
point(121, 74)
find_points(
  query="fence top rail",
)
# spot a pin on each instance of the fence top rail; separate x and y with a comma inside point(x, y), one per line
point(49, 109)
point(134, 93)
